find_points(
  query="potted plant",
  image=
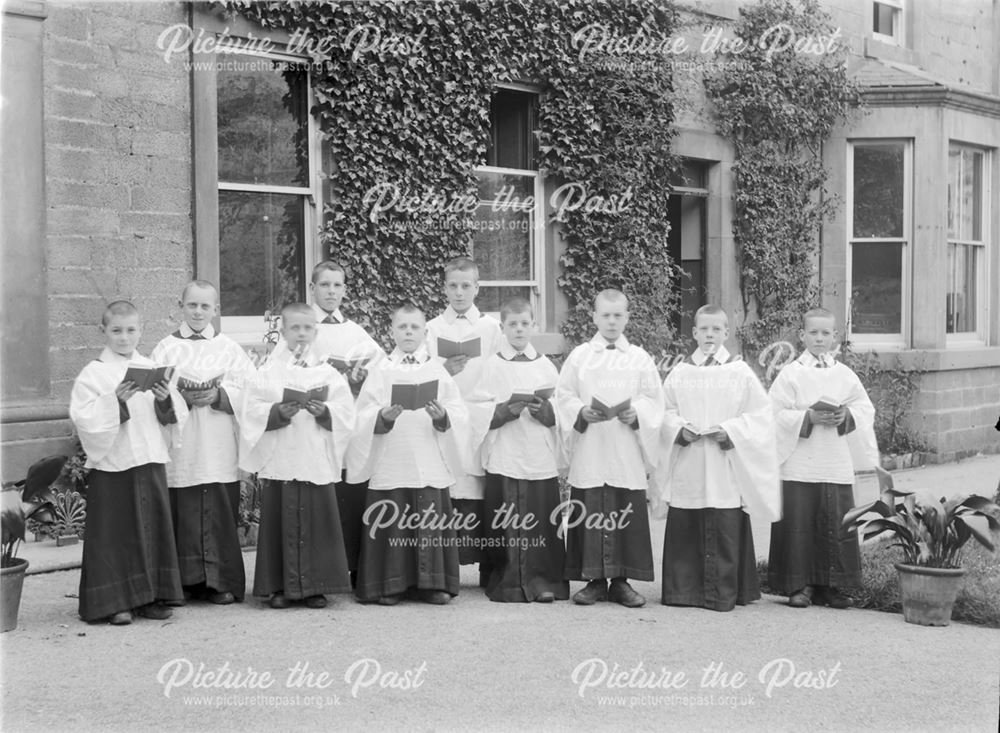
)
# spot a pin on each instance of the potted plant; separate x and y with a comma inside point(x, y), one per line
point(21, 501)
point(931, 535)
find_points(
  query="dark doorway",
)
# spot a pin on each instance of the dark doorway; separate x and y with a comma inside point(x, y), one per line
point(687, 239)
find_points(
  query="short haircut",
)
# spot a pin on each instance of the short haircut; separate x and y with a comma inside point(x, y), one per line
point(406, 307)
point(461, 264)
point(118, 308)
point(200, 284)
point(515, 305)
point(710, 309)
point(328, 265)
point(300, 309)
point(818, 313)
point(612, 295)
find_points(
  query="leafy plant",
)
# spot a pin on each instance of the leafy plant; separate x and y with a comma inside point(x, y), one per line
point(249, 509)
point(892, 391)
point(930, 533)
point(778, 108)
point(27, 499)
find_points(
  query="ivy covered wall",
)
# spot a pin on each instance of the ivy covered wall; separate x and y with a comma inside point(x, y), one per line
point(412, 111)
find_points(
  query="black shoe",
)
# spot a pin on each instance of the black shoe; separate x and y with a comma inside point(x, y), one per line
point(594, 591)
point(390, 600)
point(316, 602)
point(222, 599)
point(623, 593)
point(545, 597)
point(435, 597)
point(155, 611)
point(122, 618)
point(279, 600)
point(832, 597)
point(802, 598)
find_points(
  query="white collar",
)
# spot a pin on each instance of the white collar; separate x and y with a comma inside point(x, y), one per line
point(807, 359)
point(601, 344)
point(322, 314)
point(450, 315)
point(508, 352)
point(187, 332)
point(112, 357)
point(421, 354)
point(721, 356)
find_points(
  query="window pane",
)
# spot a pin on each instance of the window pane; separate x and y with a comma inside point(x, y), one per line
point(512, 138)
point(490, 298)
point(971, 226)
point(878, 190)
point(962, 294)
point(509, 189)
point(954, 187)
point(884, 19)
point(501, 244)
point(262, 120)
point(877, 288)
point(261, 246)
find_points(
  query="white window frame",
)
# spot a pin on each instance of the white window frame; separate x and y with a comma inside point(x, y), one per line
point(251, 329)
point(878, 341)
point(536, 235)
point(897, 38)
point(979, 336)
point(536, 227)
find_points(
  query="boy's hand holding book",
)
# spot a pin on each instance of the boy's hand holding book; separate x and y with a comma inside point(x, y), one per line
point(391, 413)
point(126, 390)
point(589, 414)
point(288, 410)
point(826, 411)
point(435, 410)
point(161, 391)
point(316, 408)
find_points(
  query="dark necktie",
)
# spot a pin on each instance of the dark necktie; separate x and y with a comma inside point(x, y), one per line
point(821, 364)
point(330, 318)
point(196, 337)
point(611, 347)
point(710, 361)
point(520, 356)
point(462, 316)
point(409, 359)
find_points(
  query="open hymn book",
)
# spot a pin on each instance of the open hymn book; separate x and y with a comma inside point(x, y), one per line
point(825, 404)
point(542, 393)
point(471, 348)
point(414, 396)
point(303, 396)
point(610, 411)
point(146, 377)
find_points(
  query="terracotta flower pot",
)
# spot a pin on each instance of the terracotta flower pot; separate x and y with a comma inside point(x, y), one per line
point(11, 582)
point(928, 593)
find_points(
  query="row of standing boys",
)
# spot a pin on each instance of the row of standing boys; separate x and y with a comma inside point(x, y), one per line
point(361, 494)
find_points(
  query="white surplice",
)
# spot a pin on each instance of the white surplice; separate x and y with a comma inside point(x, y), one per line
point(702, 475)
point(209, 446)
point(609, 452)
point(303, 450)
point(112, 445)
point(413, 453)
point(462, 327)
point(523, 448)
point(825, 456)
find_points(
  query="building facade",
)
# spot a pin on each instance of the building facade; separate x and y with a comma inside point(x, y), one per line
point(133, 161)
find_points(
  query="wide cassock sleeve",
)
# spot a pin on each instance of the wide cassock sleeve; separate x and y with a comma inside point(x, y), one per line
point(450, 441)
point(343, 418)
point(659, 479)
point(568, 401)
point(861, 440)
point(754, 459)
point(787, 417)
point(93, 408)
point(648, 404)
point(253, 412)
point(373, 397)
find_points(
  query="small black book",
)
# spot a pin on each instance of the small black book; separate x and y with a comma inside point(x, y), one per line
point(146, 377)
point(414, 396)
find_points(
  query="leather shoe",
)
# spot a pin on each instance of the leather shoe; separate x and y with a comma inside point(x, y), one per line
point(594, 591)
point(545, 597)
point(390, 600)
point(801, 598)
point(122, 618)
point(623, 593)
point(316, 602)
point(435, 597)
point(155, 611)
point(832, 597)
point(222, 599)
point(279, 600)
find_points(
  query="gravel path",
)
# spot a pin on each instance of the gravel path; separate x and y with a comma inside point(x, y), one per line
point(477, 665)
